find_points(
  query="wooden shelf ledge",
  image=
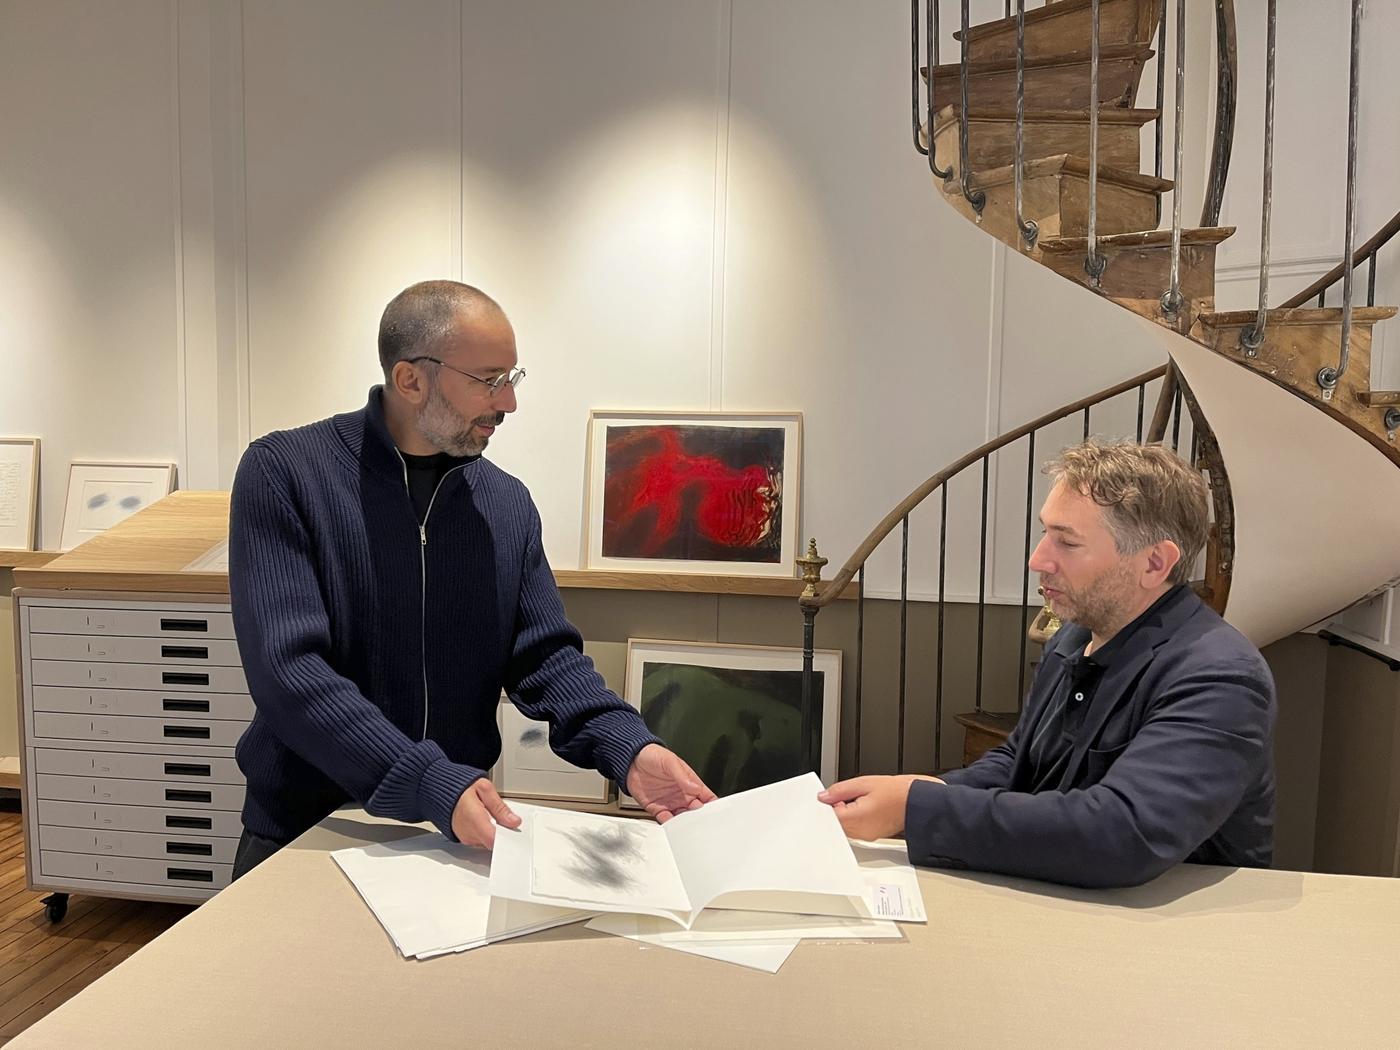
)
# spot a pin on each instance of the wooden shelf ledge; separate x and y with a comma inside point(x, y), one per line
point(26, 559)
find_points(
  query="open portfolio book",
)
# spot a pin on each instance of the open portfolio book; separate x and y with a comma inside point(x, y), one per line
point(771, 849)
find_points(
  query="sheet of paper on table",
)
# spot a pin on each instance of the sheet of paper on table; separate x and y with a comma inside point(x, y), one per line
point(433, 896)
point(772, 849)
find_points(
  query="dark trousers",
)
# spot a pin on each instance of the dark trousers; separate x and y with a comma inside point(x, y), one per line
point(252, 851)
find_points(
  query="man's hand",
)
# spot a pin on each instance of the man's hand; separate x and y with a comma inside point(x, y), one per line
point(665, 785)
point(871, 807)
point(472, 816)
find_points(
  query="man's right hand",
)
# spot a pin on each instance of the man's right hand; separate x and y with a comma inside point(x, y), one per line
point(474, 812)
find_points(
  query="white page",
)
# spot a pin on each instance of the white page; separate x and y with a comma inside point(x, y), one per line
point(766, 957)
point(892, 884)
point(747, 927)
point(578, 857)
point(430, 894)
point(774, 848)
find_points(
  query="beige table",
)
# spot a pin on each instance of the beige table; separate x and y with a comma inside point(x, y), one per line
point(1203, 957)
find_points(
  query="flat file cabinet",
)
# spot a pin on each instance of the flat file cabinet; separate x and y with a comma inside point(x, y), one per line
point(130, 710)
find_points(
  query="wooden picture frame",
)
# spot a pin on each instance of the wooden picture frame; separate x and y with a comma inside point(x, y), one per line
point(697, 492)
point(19, 493)
point(102, 494)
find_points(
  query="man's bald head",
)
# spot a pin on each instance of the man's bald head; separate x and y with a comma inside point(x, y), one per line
point(424, 313)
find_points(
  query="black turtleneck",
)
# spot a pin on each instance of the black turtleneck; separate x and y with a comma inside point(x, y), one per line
point(424, 473)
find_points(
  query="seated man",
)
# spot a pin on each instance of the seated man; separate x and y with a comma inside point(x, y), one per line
point(1146, 739)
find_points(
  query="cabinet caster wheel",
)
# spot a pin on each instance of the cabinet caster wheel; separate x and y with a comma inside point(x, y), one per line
point(56, 906)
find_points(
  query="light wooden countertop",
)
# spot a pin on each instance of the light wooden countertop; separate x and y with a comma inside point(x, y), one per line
point(1212, 957)
point(149, 552)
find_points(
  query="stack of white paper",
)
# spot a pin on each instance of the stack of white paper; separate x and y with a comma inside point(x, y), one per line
point(432, 896)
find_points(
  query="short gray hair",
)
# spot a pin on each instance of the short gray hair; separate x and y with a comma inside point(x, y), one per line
point(420, 315)
point(1148, 495)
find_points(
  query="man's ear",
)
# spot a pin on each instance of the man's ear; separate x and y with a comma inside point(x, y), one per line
point(408, 382)
point(1162, 558)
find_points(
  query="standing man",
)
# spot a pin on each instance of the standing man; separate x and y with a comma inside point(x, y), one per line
point(1147, 736)
point(387, 583)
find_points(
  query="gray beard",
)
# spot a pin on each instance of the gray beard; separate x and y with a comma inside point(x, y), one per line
point(446, 429)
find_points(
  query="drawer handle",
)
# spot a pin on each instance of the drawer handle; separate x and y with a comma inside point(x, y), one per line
point(198, 626)
point(170, 703)
point(189, 875)
point(186, 732)
point(193, 849)
point(184, 652)
point(190, 823)
point(187, 769)
point(183, 678)
point(182, 795)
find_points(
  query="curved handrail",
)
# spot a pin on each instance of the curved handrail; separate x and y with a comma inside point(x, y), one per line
point(1333, 275)
point(839, 582)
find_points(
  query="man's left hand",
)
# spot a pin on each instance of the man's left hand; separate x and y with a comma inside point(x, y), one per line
point(664, 784)
point(871, 807)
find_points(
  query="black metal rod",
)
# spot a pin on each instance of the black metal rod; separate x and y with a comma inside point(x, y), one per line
point(903, 638)
point(1142, 403)
point(982, 579)
point(976, 198)
point(1176, 420)
point(1371, 280)
point(1161, 98)
point(938, 687)
point(1328, 376)
point(931, 20)
point(1026, 566)
point(860, 656)
point(914, 76)
point(1086, 422)
point(810, 754)
point(1252, 336)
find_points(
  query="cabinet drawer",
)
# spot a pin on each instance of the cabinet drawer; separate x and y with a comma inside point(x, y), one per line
point(126, 766)
point(174, 847)
point(136, 623)
point(183, 794)
point(181, 872)
point(137, 676)
point(198, 652)
point(132, 729)
point(139, 818)
point(231, 707)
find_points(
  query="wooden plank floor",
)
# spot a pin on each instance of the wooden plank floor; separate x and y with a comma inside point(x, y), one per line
point(43, 965)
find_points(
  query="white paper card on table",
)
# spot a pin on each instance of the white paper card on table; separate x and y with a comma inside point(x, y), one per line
point(433, 896)
point(892, 884)
point(775, 849)
point(768, 957)
point(745, 927)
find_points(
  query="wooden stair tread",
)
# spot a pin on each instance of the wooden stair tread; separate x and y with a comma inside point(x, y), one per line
point(1050, 11)
point(1145, 239)
point(1068, 164)
point(1379, 398)
point(1313, 316)
point(1138, 50)
point(1107, 115)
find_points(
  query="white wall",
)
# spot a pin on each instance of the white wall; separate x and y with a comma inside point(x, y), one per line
point(697, 204)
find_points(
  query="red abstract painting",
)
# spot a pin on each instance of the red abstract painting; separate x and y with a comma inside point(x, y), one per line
point(686, 492)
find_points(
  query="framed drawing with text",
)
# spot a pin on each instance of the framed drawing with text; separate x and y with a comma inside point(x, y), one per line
point(734, 712)
point(19, 493)
point(529, 768)
point(102, 494)
point(716, 492)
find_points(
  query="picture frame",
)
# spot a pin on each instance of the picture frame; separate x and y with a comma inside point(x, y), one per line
point(529, 768)
point(693, 492)
point(19, 493)
point(102, 494)
point(712, 702)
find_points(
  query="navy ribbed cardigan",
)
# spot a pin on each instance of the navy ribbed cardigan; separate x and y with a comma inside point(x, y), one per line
point(375, 651)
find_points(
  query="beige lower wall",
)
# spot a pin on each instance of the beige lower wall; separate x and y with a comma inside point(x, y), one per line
point(1338, 783)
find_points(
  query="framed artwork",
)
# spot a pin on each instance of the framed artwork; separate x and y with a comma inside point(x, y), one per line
point(734, 712)
point(102, 494)
point(529, 768)
point(712, 492)
point(19, 493)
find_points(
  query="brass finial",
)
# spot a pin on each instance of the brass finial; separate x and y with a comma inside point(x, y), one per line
point(811, 564)
point(1045, 624)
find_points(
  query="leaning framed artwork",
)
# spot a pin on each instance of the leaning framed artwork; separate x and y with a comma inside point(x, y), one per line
point(734, 712)
point(529, 768)
point(712, 492)
point(102, 494)
point(19, 493)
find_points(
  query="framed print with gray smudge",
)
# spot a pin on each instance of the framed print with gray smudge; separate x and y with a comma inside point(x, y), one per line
point(529, 768)
point(102, 494)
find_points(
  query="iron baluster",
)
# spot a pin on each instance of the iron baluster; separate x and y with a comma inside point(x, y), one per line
point(1252, 336)
point(1094, 263)
point(1171, 301)
point(1176, 419)
point(914, 76)
point(1026, 567)
point(1029, 229)
point(982, 579)
point(1328, 377)
point(1142, 404)
point(810, 755)
point(903, 637)
point(938, 686)
point(860, 654)
point(1086, 423)
point(931, 21)
point(976, 198)
point(1161, 100)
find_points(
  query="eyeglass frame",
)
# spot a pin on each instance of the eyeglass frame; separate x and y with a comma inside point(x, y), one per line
point(494, 385)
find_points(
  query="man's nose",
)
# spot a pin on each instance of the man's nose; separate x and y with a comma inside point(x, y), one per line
point(1040, 561)
point(505, 400)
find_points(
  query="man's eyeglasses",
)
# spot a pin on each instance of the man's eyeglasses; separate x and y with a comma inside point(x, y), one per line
point(511, 379)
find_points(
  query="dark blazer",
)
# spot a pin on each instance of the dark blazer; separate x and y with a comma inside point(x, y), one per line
point(1174, 763)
